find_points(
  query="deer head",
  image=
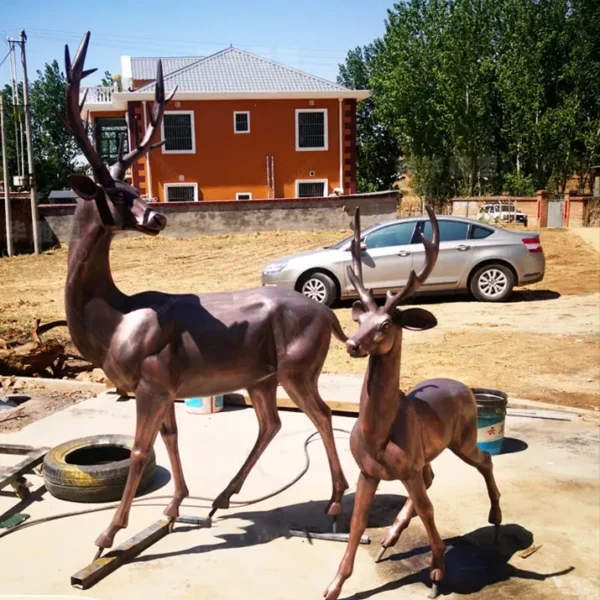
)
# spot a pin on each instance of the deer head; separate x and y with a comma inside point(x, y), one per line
point(119, 204)
point(381, 327)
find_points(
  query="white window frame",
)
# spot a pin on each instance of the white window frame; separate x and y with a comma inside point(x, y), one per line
point(323, 181)
point(240, 112)
point(182, 184)
point(238, 194)
point(193, 125)
point(325, 125)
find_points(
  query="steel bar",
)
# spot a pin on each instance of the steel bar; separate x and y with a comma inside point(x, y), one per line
point(199, 521)
point(331, 537)
point(103, 566)
point(10, 474)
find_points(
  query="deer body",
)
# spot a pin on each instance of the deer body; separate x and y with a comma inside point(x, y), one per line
point(161, 346)
point(396, 436)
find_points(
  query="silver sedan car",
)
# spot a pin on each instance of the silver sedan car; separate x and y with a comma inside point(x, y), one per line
point(476, 257)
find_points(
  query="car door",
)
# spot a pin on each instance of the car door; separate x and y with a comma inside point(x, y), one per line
point(454, 256)
point(386, 260)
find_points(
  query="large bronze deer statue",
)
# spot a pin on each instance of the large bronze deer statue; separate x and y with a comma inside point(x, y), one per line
point(396, 436)
point(160, 345)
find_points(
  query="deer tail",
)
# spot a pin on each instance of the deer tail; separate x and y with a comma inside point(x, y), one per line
point(336, 327)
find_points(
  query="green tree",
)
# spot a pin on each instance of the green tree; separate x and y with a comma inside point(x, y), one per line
point(107, 79)
point(53, 147)
point(378, 150)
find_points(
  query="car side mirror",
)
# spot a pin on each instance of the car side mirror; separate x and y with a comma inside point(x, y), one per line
point(363, 246)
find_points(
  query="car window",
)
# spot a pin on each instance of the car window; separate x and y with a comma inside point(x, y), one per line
point(478, 233)
point(450, 231)
point(395, 235)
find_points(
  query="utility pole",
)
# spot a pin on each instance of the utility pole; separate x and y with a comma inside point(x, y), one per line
point(32, 184)
point(20, 149)
point(7, 207)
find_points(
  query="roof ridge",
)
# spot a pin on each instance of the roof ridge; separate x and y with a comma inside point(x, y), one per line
point(230, 49)
point(181, 70)
point(281, 65)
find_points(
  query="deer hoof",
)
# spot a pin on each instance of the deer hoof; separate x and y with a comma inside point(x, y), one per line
point(435, 591)
point(172, 510)
point(105, 540)
point(334, 509)
point(380, 555)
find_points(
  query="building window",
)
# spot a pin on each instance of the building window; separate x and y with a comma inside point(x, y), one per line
point(311, 129)
point(178, 132)
point(181, 192)
point(108, 133)
point(243, 196)
point(241, 122)
point(313, 188)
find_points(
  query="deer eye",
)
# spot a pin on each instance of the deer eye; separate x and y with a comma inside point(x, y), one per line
point(385, 327)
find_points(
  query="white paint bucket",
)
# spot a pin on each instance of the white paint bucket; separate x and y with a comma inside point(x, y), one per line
point(204, 406)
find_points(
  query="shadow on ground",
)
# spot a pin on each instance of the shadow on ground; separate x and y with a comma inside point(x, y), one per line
point(473, 561)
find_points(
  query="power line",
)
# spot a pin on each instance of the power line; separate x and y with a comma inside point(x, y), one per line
point(4, 59)
point(171, 42)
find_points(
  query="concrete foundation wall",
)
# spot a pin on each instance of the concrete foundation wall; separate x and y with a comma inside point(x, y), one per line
point(193, 219)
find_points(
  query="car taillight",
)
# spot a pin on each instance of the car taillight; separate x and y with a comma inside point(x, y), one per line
point(533, 244)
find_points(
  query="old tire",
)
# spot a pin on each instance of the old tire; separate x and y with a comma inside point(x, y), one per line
point(320, 288)
point(492, 283)
point(92, 469)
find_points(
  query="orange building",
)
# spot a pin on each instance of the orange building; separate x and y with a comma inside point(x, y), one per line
point(240, 127)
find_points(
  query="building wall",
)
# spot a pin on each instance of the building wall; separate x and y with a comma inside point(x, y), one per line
point(226, 163)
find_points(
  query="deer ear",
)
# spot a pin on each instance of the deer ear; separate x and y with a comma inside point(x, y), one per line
point(358, 309)
point(83, 186)
point(417, 319)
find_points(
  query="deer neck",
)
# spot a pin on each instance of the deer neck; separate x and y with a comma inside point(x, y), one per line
point(380, 398)
point(94, 305)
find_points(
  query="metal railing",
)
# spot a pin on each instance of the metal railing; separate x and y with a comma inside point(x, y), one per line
point(98, 94)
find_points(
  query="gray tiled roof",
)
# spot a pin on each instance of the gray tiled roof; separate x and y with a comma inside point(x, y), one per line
point(145, 67)
point(237, 71)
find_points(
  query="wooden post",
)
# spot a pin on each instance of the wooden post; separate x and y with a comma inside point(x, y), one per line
point(7, 207)
point(567, 209)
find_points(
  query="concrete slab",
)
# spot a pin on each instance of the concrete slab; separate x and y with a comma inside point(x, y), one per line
point(549, 480)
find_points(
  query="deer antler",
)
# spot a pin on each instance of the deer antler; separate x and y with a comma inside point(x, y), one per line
point(355, 271)
point(156, 115)
point(416, 281)
point(72, 119)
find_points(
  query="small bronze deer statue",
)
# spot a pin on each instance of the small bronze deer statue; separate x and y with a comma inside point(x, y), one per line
point(160, 346)
point(396, 436)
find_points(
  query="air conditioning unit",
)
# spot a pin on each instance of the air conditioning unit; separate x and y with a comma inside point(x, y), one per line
point(18, 181)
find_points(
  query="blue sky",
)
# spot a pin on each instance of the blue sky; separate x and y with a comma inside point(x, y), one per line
point(312, 35)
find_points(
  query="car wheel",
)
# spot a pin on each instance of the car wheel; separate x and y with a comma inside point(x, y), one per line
point(492, 283)
point(319, 287)
point(92, 469)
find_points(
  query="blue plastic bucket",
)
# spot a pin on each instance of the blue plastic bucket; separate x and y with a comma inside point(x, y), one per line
point(491, 417)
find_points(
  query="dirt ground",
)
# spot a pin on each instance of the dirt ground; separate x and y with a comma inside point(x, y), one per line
point(543, 345)
point(35, 402)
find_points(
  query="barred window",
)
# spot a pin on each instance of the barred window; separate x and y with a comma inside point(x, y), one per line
point(181, 192)
point(311, 189)
point(311, 129)
point(241, 122)
point(178, 132)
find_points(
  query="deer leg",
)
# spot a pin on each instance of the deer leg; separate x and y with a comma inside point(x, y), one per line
point(418, 493)
point(168, 432)
point(264, 400)
point(365, 493)
point(151, 408)
point(404, 517)
point(482, 461)
point(305, 393)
